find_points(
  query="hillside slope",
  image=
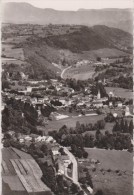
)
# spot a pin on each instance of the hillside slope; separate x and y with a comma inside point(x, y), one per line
point(92, 38)
point(25, 13)
point(86, 43)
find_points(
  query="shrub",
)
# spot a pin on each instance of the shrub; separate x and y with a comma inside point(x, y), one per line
point(117, 171)
point(99, 192)
point(85, 154)
point(119, 174)
point(109, 170)
point(101, 170)
point(94, 169)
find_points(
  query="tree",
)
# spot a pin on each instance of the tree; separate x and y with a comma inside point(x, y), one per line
point(131, 127)
point(98, 59)
point(5, 85)
point(60, 183)
point(73, 148)
point(78, 126)
point(85, 154)
point(44, 149)
point(89, 180)
point(82, 180)
point(126, 128)
point(74, 188)
point(79, 153)
point(101, 124)
point(80, 192)
point(61, 150)
point(116, 127)
point(6, 143)
point(109, 118)
point(49, 177)
point(99, 111)
point(97, 134)
point(99, 192)
point(122, 125)
point(63, 130)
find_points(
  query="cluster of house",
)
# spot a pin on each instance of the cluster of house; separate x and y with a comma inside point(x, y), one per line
point(82, 62)
point(63, 160)
point(88, 103)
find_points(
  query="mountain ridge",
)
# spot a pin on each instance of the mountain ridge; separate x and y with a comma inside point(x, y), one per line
point(119, 18)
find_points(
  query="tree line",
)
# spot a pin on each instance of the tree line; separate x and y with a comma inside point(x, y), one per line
point(81, 137)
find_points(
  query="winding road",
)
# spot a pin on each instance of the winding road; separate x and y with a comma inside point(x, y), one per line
point(62, 73)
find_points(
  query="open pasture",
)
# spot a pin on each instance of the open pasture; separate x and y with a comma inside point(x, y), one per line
point(71, 121)
point(114, 174)
point(120, 92)
point(81, 72)
point(10, 51)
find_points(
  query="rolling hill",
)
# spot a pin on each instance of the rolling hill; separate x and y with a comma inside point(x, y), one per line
point(21, 13)
point(92, 38)
point(85, 43)
point(46, 56)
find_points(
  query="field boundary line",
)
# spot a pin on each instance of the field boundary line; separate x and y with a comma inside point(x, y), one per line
point(21, 177)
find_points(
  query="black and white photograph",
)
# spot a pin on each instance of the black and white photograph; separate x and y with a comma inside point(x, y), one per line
point(67, 97)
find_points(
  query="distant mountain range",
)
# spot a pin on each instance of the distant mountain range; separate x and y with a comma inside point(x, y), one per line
point(21, 13)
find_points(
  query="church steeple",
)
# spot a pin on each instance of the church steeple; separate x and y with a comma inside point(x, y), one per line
point(98, 95)
point(127, 111)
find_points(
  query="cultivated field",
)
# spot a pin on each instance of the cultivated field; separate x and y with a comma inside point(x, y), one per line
point(21, 167)
point(114, 173)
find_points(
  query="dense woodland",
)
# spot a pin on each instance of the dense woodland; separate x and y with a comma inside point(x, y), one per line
point(80, 137)
point(19, 117)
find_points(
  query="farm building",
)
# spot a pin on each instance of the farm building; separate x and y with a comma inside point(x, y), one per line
point(21, 174)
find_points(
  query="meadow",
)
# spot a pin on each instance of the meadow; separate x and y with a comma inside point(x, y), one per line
point(71, 121)
point(114, 173)
point(120, 92)
point(82, 72)
point(9, 51)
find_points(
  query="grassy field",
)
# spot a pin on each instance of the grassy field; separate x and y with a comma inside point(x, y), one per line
point(82, 72)
point(83, 76)
point(71, 121)
point(9, 51)
point(110, 181)
point(124, 93)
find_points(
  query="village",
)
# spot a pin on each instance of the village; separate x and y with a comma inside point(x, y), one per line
point(66, 109)
point(62, 99)
point(66, 103)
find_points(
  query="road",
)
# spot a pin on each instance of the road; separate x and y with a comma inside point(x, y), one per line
point(75, 165)
point(64, 71)
point(75, 170)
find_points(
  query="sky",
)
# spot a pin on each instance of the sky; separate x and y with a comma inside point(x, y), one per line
point(77, 4)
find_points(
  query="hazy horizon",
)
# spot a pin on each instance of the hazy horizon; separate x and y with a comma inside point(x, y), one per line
point(74, 5)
